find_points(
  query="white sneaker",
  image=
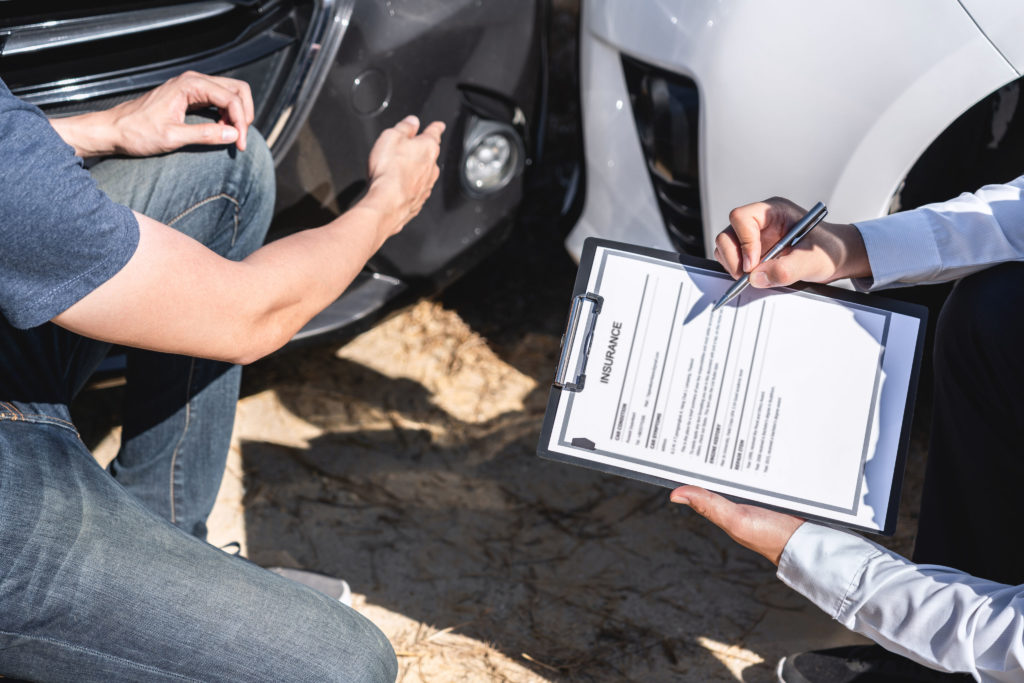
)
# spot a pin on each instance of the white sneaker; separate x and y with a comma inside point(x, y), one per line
point(328, 585)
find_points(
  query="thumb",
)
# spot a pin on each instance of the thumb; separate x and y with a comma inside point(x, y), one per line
point(711, 506)
point(202, 134)
point(782, 271)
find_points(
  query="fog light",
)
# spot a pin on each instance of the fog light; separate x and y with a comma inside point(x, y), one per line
point(493, 156)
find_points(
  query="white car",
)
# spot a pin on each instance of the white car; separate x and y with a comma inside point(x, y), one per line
point(692, 108)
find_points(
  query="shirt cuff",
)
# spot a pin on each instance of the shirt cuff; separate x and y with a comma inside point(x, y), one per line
point(825, 565)
point(901, 250)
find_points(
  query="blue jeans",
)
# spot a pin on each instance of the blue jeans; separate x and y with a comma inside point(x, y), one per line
point(104, 575)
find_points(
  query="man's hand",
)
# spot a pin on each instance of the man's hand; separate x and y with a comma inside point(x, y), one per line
point(155, 122)
point(829, 252)
point(403, 169)
point(763, 531)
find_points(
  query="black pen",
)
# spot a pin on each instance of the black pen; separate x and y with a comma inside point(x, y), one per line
point(795, 234)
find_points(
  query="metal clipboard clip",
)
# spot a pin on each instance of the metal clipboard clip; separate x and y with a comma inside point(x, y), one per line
point(569, 341)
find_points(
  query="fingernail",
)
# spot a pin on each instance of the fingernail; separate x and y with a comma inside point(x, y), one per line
point(748, 263)
point(411, 119)
point(228, 134)
point(682, 500)
point(759, 279)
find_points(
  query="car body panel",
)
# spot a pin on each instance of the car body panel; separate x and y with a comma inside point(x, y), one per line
point(619, 201)
point(1001, 21)
point(797, 98)
point(421, 57)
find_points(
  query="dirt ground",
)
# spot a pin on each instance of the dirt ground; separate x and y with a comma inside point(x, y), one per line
point(405, 462)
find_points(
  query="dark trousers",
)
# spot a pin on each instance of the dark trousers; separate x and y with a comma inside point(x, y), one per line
point(974, 485)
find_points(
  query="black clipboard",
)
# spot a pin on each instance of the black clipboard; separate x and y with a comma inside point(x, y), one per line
point(571, 375)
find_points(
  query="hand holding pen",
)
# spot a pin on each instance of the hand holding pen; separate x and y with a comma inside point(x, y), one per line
point(790, 239)
point(829, 252)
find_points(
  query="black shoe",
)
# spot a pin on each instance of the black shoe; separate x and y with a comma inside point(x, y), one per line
point(857, 664)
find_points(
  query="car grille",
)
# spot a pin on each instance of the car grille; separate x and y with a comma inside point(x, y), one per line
point(68, 58)
point(666, 107)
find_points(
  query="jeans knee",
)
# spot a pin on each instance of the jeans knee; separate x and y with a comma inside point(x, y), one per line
point(377, 662)
point(381, 666)
point(260, 179)
point(257, 191)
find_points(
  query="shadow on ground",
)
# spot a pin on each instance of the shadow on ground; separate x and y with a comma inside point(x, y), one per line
point(455, 523)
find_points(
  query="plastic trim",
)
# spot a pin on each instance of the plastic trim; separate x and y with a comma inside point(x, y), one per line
point(55, 34)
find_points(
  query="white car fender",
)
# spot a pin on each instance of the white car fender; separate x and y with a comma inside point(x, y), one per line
point(806, 99)
point(1001, 20)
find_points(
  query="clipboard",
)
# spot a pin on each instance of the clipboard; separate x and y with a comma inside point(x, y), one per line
point(798, 399)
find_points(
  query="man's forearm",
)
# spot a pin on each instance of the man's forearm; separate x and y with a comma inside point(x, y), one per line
point(300, 275)
point(226, 310)
point(91, 135)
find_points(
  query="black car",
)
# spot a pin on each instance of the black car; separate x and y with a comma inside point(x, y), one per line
point(327, 77)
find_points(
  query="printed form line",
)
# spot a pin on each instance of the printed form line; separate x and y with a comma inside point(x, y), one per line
point(664, 364)
point(721, 388)
point(629, 357)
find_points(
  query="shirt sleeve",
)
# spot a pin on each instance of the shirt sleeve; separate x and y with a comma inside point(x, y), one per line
point(62, 236)
point(946, 241)
point(937, 616)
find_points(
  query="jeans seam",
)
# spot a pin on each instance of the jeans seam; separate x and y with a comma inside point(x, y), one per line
point(102, 655)
point(222, 195)
point(37, 418)
point(181, 439)
point(13, 408)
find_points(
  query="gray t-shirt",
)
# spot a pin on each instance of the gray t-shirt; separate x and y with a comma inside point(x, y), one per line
point(60, 236)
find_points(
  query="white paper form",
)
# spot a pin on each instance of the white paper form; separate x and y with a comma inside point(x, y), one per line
point(791, 399)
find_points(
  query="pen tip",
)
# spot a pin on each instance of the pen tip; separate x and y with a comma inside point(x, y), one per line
point(716, 306)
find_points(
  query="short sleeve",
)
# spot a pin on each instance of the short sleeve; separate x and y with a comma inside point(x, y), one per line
point(61, 236)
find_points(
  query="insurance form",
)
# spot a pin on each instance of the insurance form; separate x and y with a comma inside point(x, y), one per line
point(795, 399)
